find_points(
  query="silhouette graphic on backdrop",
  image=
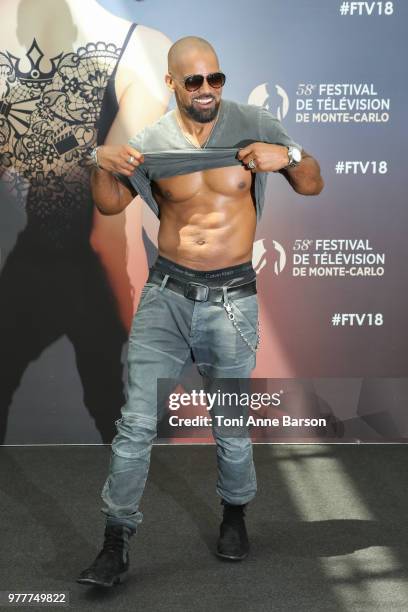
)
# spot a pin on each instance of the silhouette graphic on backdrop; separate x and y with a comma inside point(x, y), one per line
point(53, 110)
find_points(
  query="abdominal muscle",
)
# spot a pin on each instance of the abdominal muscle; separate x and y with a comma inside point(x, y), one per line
point(207, 219)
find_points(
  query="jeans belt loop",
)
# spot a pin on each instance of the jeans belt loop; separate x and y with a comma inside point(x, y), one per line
point(225, 294)
point(164, 281)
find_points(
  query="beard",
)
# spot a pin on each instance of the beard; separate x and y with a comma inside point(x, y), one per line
point(204, 115)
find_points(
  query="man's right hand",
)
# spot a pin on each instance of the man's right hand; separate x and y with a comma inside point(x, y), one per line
point(122, 159)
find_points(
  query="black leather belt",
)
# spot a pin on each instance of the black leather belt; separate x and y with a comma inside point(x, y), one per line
point(199, 291)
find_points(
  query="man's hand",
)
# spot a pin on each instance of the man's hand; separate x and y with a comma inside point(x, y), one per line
point(109, 194)
point(305, 178)
point(122, 159)
point(266, 157)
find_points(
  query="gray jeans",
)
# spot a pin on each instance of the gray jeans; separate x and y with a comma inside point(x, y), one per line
point(168, 329)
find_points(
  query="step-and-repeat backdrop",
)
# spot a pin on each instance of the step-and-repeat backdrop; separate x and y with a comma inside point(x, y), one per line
point(331, 268)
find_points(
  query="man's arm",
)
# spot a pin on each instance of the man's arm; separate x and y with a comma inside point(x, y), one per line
point(270, 154)
point(110, 193)
point(305, 178)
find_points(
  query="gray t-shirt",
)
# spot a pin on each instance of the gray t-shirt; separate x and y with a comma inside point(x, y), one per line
point(168, 153)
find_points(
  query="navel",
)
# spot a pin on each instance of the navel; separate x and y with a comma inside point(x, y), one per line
point(201, 241)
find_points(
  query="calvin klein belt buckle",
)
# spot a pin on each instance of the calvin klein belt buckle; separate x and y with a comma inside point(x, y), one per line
point(196, 291)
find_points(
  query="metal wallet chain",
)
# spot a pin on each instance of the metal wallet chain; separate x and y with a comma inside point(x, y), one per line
point(231, 316)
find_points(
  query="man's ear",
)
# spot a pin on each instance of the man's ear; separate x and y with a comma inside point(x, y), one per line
point(169, 82)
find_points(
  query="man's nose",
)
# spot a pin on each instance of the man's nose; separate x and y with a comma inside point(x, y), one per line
point(206, 88)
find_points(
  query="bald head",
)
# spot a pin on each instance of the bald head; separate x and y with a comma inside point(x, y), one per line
point(189, 58)
point(184, 48)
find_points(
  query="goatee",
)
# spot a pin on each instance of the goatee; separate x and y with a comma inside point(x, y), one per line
point(204, 115)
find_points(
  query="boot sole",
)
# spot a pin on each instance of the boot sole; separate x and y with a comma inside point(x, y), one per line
point(116, 580)
point(231, 557)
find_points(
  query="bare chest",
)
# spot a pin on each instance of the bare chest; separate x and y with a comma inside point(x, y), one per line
point(231, 183)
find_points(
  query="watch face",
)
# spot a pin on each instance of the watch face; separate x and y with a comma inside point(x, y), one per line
point(296, 154)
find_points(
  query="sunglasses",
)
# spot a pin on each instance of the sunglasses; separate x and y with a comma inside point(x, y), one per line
point(195, 81)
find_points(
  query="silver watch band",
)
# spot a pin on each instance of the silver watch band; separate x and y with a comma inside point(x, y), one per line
point(94, 157)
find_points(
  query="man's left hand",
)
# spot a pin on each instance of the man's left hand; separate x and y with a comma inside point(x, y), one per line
point(265, 157)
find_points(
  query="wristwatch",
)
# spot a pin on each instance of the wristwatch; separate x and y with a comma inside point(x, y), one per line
point(94, 157)
point(295, 156)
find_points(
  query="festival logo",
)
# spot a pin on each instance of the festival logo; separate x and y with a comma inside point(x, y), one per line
point(277, 104)
point(274, 256)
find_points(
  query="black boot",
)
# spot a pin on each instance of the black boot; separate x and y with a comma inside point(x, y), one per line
point(112, 563)
point(233, 541)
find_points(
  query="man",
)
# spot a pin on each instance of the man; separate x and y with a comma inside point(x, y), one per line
point(200, 298)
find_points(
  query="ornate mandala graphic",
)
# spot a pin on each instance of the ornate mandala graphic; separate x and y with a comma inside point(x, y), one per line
point(48, 125)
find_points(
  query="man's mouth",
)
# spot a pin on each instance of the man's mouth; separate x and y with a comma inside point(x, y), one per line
point(204, 100)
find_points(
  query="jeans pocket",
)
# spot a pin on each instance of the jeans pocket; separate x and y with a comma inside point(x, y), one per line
point(245, 311)
point(140, 322)
point(148, 294)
